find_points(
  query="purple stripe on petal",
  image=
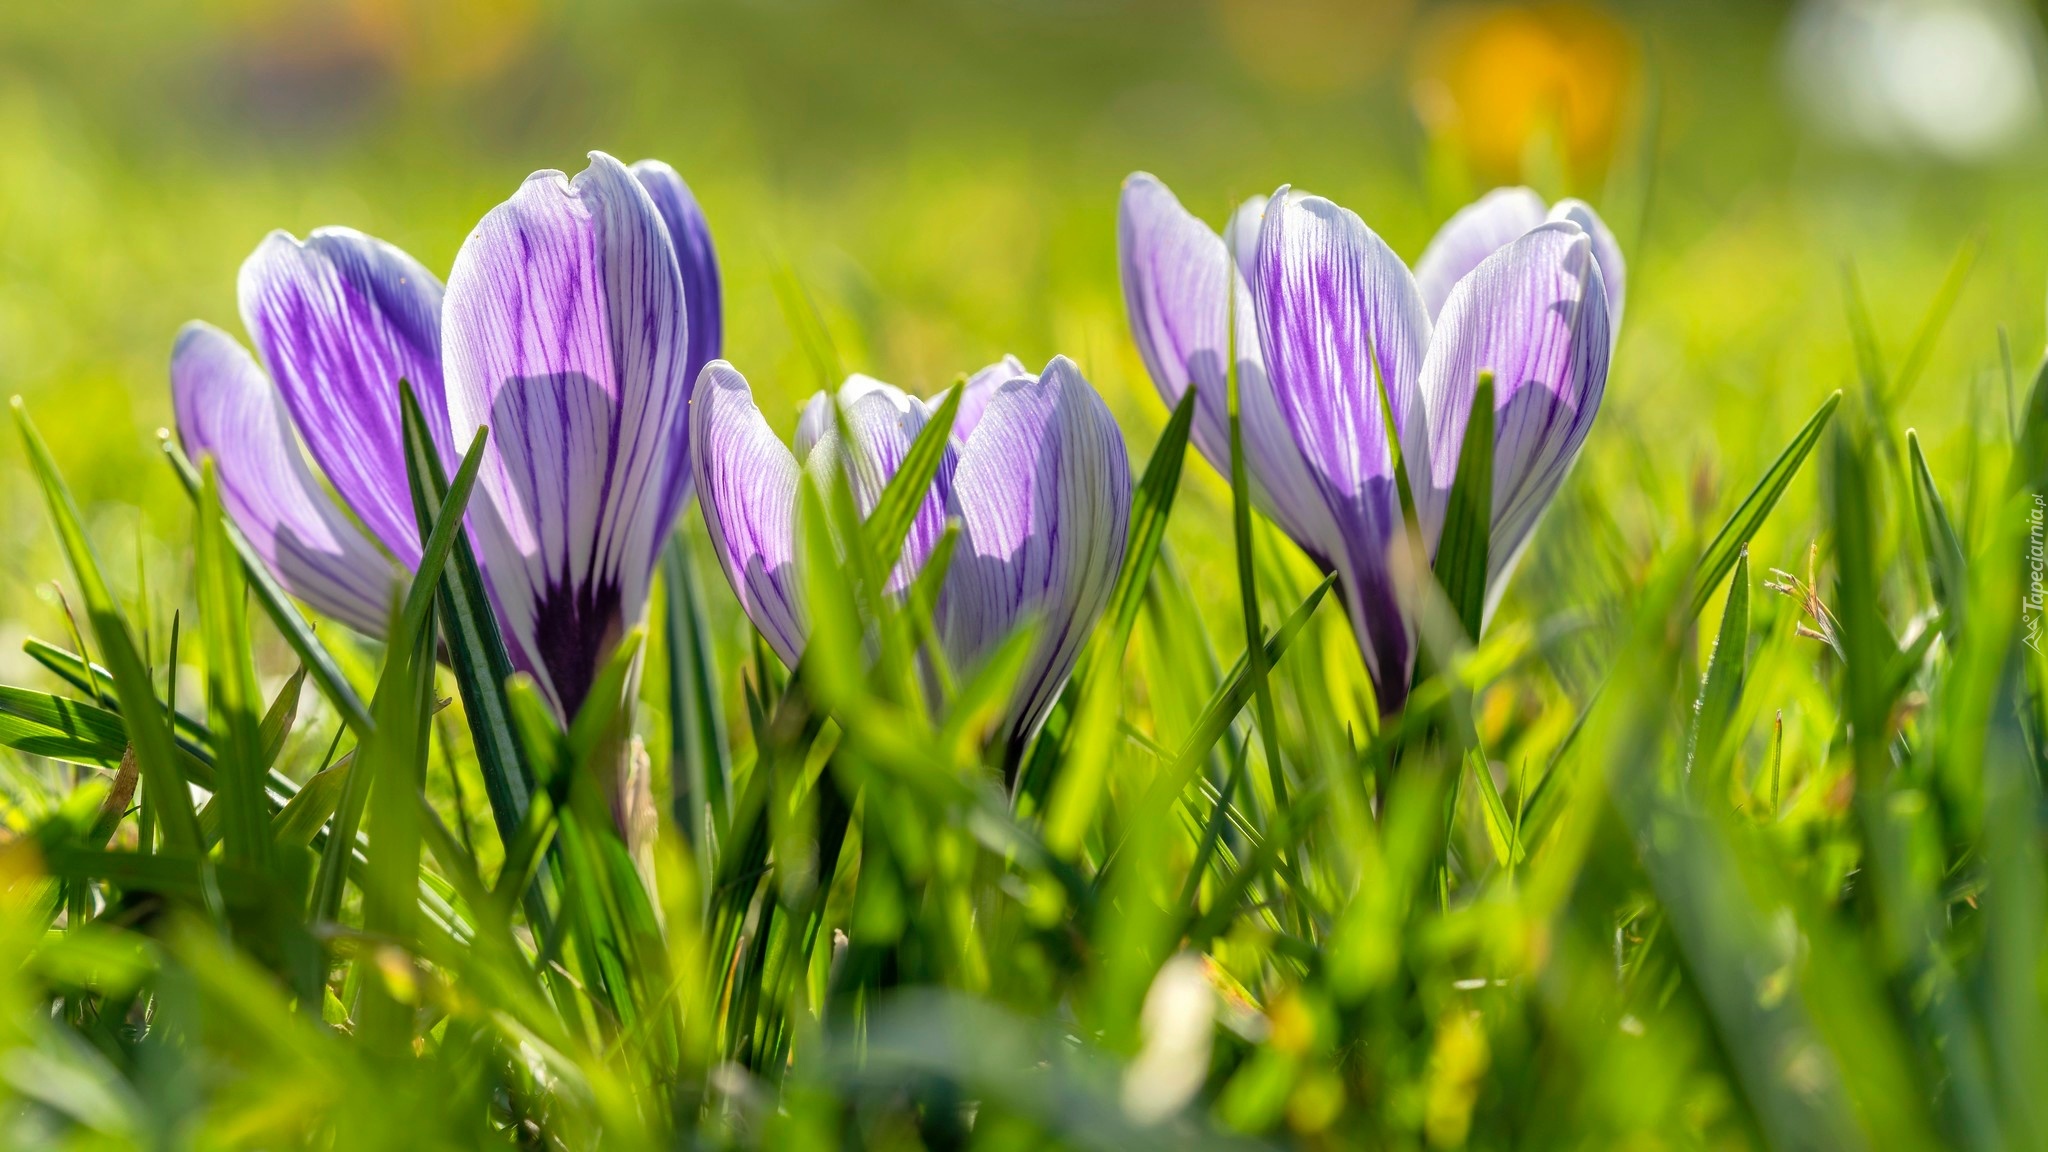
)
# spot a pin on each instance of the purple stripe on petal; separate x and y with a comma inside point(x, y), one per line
point(1535, 315)
point(747, 488)
point(227, 410)
point(703, 306)
point(1174, 274)
point(564, 332)
point(1476, 232)
point(885, 421)
point(978, 391)
point(1606, 252)
point(1043, 493)
point(1338, 313)
point(339, 320)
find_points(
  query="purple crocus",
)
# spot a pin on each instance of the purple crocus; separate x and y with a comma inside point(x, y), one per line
point(1035, 474)
point(573, 324)
point(1325, 314)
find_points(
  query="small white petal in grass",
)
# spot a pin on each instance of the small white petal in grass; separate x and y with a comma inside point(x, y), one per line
point(228, 411)
point(564, 331)
point(1043, 493)
point(1178, 1023)
point(747, 488)
point(339, 319)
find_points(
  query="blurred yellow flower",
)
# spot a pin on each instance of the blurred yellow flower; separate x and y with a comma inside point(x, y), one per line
point(1499, 81)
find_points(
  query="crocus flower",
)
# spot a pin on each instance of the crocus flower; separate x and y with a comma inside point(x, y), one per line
point(1320, 313)
point(1037, 479)
point(572, 325)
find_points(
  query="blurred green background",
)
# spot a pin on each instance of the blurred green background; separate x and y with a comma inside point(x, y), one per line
point(942, 177)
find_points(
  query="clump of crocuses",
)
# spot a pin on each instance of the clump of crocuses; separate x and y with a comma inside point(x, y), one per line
point(1034, 473)
point(1325, 316)
point(574, 322)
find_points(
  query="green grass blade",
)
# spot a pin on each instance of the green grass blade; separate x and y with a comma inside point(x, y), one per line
point(1151, 507)
point(889, 524)
point(700, 763)
point(231, 693)
point(1750, 515)
point(1714, 711)
point(475, 647)
point(1461, 554)
point(61, 728)
point(1935, 319)
point(1945, 562)
point(143, 717)
point(277, 604)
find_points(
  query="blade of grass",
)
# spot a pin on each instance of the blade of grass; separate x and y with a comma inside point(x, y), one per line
point(1750, 515)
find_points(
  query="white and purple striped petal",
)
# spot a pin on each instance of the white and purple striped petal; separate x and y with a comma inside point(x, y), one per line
point(1479, 229)
point(1177, 277)
point(564, 331)
point(747, 487)
point(1043, 493)
point(978, 391)
point(339, 320)
point(815, 419)
point(884, 421)
point(1338, 314)
point(1606, 253)
point(226, 409)
point(1535, 315)
point(703, 305)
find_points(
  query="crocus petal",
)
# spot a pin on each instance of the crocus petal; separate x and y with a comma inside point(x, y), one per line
point(564, 332)
point(747, 487)
point(816, 418)
point(227, 410)
point(1479, 230)
point(1535, 315)
point(1177, 284)
point(978, 391)
point(1242, 234)
point(339, 320)
point(885, 421)
point(703, 304)
point(1175, 272)
point(1043, 493)
point(1338, 313)
point(1606, 253)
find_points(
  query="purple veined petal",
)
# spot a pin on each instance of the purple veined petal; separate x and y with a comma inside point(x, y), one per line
point(227, 409)
point(885, 421)
point(1177, 283)
point(1535, 315)
point(703, 306)
point(339, 320)
point(816, 417)
point(1478, 230)
point(978, 391)
point(1043, 493)
point(564, 332)
point(1606, 252)
point(747, 488)
point(1338, 314)
point(1241, 235)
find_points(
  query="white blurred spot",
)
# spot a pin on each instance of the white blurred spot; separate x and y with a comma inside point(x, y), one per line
point(1179, 1024)
point(1956, 79)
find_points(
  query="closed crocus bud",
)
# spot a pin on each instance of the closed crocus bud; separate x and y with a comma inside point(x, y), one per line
point(1040, 487)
